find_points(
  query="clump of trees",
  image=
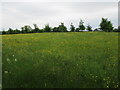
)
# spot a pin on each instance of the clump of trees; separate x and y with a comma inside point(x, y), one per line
point(72, 28)
point(81, 26)
point(62, 28)
point(47, 28)
point(105, 25)
point(89, 28)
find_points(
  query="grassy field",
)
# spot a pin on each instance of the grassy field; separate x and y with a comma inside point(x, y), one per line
point(60, 60)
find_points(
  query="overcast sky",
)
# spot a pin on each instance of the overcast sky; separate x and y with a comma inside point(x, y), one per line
point(18, 14)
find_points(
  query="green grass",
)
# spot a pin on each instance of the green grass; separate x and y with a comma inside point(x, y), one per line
point(60, 60)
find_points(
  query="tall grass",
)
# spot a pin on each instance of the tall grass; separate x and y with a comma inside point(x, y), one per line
point(60, 60)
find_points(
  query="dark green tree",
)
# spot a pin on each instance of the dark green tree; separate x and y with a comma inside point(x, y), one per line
point(62, 28)
point(96, 29)
point(89, 28)
point(47, 28)
point(36, 28)
point(26, 29)
point(4, 32)
point(16, 31)
point(117, 29)
point(55, 29)
point(41, 30)
point(72, 28)
point(81, 25)
point(77, 30)
point(23, 30)
point(106, 25)
point(10, 31)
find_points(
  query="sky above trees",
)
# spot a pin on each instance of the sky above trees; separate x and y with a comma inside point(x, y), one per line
point(17, 14)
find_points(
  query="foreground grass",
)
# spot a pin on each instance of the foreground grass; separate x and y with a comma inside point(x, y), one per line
point(60, 60)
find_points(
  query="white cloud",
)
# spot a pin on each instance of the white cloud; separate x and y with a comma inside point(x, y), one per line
point(59, 0)
point(17, 14)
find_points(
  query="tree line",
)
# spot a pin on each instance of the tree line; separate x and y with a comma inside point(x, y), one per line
point(105, 25)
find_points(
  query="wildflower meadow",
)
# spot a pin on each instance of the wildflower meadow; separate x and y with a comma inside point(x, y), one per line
point(60, 60)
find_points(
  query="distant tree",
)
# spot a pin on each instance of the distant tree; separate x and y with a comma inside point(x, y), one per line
point(62, 28)
point(17, 31)
point(89, 27)
point(117, 29)
point(106, 25)
point(96, 29)
point(23, 30)
point(47, 28)
point(41, 30)
point(55, 29)
point(72, 28)
point(10, 31)
point(77, 30)
point(36, 28)
point(4, 32)
point(26, 29)
point(81, 25)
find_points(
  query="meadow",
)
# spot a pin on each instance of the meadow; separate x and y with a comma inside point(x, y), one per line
point(60, 60)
